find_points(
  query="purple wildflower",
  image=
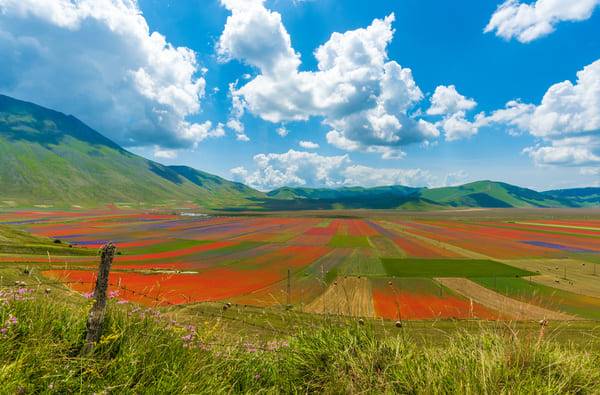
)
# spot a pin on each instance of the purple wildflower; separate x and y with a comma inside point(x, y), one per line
point(12, 320)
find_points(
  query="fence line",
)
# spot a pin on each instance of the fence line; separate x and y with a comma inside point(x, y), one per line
point(160, 302)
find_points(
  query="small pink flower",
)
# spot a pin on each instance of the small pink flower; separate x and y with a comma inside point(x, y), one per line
point(88, 295)
point(113, 294)
point(12, 320)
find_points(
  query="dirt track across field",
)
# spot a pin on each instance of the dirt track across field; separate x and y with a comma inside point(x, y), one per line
point(346, 296)
point(510, 307)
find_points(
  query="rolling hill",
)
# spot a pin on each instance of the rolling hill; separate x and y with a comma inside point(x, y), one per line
point(49, 158)
point(584, 197)
point(492, 195)
point(486, 194)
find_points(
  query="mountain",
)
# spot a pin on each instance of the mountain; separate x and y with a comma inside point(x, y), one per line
point(492, 194)
point(49, 158)
point(580, 196)
point(288, 193)
point(487, 194)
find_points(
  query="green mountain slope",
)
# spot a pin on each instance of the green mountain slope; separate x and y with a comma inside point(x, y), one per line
point(493, 195)
point(287, 193)
point(486, 194)
point(585, 197)
point(47, 157)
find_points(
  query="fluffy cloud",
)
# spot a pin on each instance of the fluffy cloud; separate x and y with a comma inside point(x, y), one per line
point(98, 60)
point(308, 144)
point(364, 98)
point(294, 168)
point(567, 121)
point(235, 116)
point(358, 175)
point(528, 22)
point(446, 100)
point(569, 109)
point(308, 169)
point(453, 106)
point(282, 131)
point(160, 153)
point(457, 127)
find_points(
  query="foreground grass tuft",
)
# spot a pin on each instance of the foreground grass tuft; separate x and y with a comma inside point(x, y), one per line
point(144, 352)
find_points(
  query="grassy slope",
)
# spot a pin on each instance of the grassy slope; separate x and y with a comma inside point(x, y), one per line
point(491, 194)
point(15, 241)
point(552, 298)
point(582, 196)
point(477, 194)
point(143, 352)
point(288, 193)
point(48, 157)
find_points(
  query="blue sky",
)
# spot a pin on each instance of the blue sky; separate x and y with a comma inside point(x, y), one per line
point(541, 142)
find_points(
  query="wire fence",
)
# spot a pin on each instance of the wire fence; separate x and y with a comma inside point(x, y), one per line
point(149, 300)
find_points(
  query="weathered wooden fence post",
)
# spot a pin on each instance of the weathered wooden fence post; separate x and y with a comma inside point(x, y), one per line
point(96, 316)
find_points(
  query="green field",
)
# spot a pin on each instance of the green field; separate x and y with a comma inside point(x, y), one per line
point(16, 241)
point(345, 241)
point(430, 268)
point(553, 298)
point(171, 245)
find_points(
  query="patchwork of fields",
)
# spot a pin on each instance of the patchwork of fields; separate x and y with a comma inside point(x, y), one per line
point(378, 266)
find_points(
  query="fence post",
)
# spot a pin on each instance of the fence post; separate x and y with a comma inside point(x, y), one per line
point(96, 316)
point(289, 288)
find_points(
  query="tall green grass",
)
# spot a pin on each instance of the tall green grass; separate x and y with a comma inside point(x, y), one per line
point(144, 352)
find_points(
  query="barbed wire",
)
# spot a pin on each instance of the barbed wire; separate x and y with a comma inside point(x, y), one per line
point(160, 302)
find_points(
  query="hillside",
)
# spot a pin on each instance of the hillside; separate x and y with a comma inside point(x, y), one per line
point(493, 195)
point(579, 196)
point(47, 157)
point(488, 194)
point(204, 348)
point(288, 193)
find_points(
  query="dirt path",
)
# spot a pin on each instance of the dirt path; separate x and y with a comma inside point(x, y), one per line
point(507, 306)
point(347, 296)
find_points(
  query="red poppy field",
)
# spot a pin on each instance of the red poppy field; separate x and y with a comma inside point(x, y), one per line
point(167, 258)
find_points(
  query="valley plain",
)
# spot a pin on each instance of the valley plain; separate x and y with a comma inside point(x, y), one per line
point(485, 264)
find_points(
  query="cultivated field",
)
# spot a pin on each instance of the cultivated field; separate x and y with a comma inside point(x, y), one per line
point(488, 264)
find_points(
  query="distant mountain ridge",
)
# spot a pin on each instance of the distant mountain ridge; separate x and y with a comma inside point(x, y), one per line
point(484, 194)
point(49, 158)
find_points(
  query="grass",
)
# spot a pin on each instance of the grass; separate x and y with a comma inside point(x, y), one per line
point(430, 268)
point(345, 241)
point(171, 245)
point(142, 351)
point(553, 298)
point(16, 241)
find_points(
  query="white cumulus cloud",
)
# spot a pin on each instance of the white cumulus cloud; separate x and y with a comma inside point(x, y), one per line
point(446, 100)
point(98, 59)
point(309, 169)
point(528, 22)
point(363, 97)
point(160, 153)
point(308, 144)
point(566, 122)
